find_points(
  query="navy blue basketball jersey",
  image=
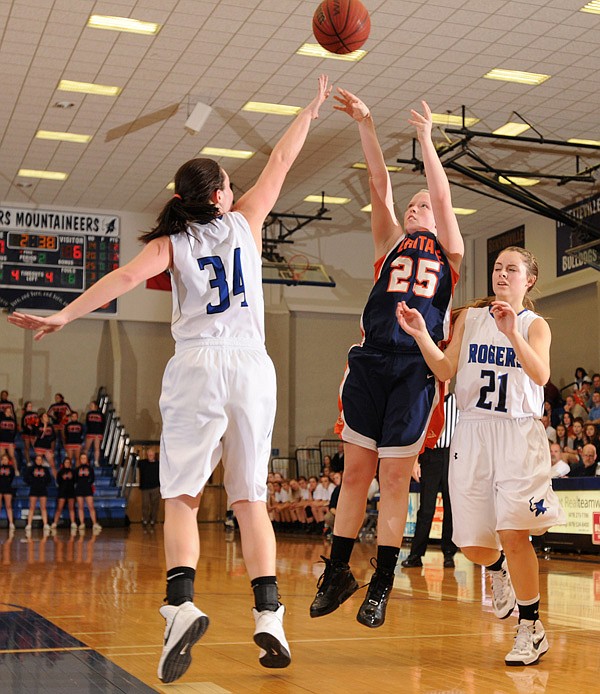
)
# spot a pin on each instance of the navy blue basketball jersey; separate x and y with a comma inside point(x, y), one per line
point(417, 271)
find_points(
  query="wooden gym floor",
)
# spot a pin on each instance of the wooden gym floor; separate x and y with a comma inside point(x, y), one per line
point(80, 614)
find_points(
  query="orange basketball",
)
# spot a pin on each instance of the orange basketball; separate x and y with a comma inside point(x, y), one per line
point(341, 26)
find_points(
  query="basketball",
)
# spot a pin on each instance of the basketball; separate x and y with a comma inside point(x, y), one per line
point(341, 26)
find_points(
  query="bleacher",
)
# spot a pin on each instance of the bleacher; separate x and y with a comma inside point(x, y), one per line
point(112, 479)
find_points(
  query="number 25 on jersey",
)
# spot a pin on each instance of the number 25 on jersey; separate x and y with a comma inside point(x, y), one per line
point(425, 279)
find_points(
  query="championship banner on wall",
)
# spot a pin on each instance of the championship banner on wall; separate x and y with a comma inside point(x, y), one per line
point(49, 257)
point(495, 244)
point(568, 237)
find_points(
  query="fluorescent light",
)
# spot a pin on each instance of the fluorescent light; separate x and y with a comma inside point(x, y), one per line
point(511, 129)
point(332, 200)
point(88, 88)
point(518, 181)
point(532, 78)
point(64, 137)
point(314, 50)
point(128, 24)
point(592, 7)
point(449, 119)
point(232, 153)
point(366, 208)
point(274, 109)
point(49, 175)
point(362, 165)
point(463, 210)
point(579, 141)
point(171, 186)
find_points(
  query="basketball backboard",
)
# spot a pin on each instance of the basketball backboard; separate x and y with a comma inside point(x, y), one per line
point(294, 274)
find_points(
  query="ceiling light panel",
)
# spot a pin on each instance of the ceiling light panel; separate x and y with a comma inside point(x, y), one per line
point(517, 180)
point(126, 24)
point(48, 175)
point(531, 78)
point(314, 50)
point(88, 88)
point(272, 109)
point(223, 152)
point(331, 200)
point(361, 165)
point(511, 129)
point(63, 137)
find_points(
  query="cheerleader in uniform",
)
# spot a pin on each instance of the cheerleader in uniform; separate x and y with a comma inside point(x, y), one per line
point(7, 475)
point(65, 480)
point(84, 492)
point(29, 426)
point(39, 479)
point(44, 441)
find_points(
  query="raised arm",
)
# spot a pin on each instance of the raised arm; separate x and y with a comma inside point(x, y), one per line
point(154, 258)
point(534, 353)
point(385, 227)
point(256, 203)
point(448, 231)
point(443, 364)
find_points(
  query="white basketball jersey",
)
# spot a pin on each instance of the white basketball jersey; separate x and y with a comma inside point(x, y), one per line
point(490, 382)
point(217, 282)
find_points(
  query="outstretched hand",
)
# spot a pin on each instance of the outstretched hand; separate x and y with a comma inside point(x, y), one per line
point(324, 90)
point(43, 324)
point(505, 317)
point(422, 122)
point(410, 320)
point(351, 105)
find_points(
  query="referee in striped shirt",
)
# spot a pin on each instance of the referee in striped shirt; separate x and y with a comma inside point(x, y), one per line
point(432, 473)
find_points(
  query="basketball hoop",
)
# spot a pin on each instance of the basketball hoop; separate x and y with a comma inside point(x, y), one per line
point(298, 265)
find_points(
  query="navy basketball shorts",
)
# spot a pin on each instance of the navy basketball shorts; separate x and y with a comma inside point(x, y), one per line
point(387, 401)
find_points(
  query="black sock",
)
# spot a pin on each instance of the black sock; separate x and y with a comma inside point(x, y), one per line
point(180, 585)
point(529, 611)
point(266, 595)
point(341, 548)
point(497, 565)
point(387, 558)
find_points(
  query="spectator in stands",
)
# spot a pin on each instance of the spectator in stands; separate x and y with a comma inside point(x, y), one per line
point(38, 478)
point(94, 431)
point(578, 438)
point(586, 467)
point(337, 462)
point(29, 425)
point(65, 481)
point(562, 437)
point(590, 435)
point(553, 414)
point(73, 433)
point(7, 475)
point(580, 376)
point(574, 408)
point(550, 430)
point(567, 419)
point(84, 492)
point(5, 403)
point(59, 412)
point(326, 465)
point(44, 441)
point(552, 395)
point(583, 394)
point(320, 502)
point(8, 431)
point(149, 487)
point(594, 413)
point(560, 468)
point(333, 502)
point(595, 382)
point(431, 470)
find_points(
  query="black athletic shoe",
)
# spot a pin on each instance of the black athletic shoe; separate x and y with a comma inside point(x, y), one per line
point(372, 612)
point(448, 561)
point(412, 561)
point(334, 587)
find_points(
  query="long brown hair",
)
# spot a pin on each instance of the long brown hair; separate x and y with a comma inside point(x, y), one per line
point(195, 182)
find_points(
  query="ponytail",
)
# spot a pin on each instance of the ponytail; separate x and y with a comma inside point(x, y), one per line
point(195, 183)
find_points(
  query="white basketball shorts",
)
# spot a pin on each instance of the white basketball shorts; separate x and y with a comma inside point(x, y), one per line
point(218, 402)
point(499, 479)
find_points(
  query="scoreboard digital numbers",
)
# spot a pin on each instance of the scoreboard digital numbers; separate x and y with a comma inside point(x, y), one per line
point(48, 258)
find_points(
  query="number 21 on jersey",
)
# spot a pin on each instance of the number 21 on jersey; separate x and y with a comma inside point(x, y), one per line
point(425, 279)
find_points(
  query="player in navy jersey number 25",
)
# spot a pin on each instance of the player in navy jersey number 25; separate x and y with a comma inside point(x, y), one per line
point(499, 457)
point(218, 396)
point(390, 401)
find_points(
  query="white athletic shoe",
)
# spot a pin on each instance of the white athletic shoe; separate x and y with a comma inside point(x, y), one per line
point(28, 528)
point(73, 526)
point(530, 643)
point(270, 637)
point(53, 526)
point(97, 527)
point(46, 529)
point(186, 624)
point(11, 526)
point(504, 599)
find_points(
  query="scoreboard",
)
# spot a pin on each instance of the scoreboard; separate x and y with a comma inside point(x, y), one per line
point(47, 258)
